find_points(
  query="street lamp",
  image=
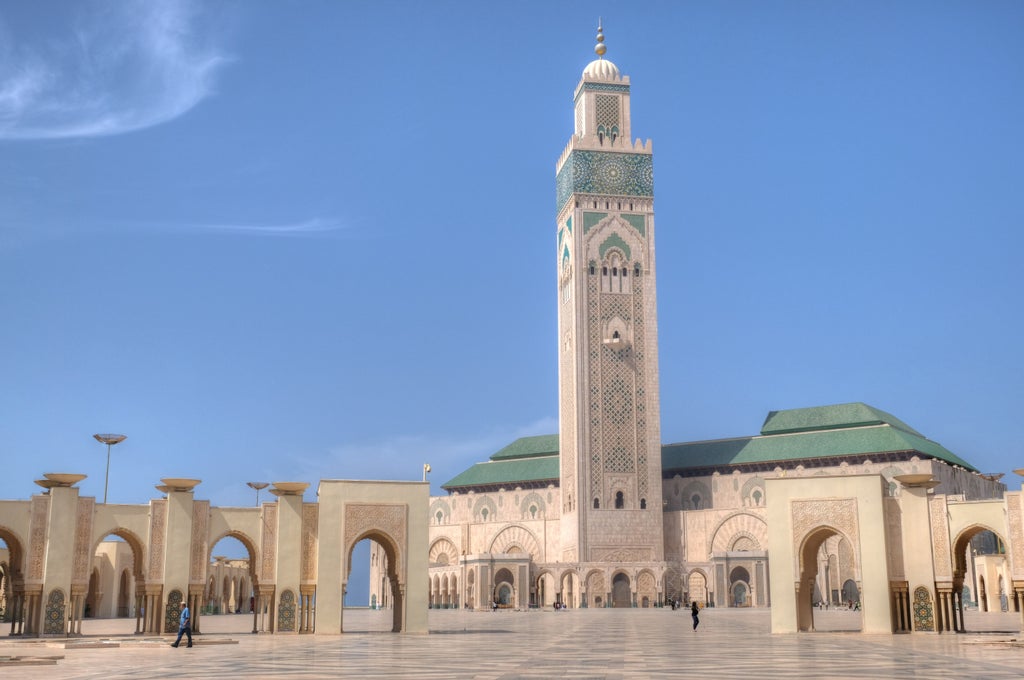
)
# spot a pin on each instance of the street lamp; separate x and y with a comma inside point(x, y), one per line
point(109, 440)
point(257, 486)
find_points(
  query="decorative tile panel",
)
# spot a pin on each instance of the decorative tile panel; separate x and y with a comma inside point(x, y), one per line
point(606, 173)
point(588, 86)
point(53, 623)
point(172, 615)
point(924, 618)
point(286, 613)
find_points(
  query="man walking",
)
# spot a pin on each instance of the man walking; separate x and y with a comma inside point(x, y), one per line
point(184, 626)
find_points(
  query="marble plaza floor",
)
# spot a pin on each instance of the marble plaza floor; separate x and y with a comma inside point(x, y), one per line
point(576, 644)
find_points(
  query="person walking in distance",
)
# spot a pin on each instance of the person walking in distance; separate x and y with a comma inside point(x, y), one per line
point(695, 613)
point(185, 626)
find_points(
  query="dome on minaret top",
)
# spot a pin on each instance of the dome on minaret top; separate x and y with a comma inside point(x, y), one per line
point(601, 68)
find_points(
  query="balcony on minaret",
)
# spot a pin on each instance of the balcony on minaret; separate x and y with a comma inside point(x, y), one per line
point(617, 341)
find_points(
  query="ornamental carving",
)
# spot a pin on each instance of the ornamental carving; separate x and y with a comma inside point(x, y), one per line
point(37, 537)
point(157, 537)
point(200, 540)
point(940, 538)
point(268, 543)
point(514, 537)
point(624, 555)
point(1015, 524)
point(310, 529)
point(82, 559)
point(809, 515)
point(736, 525)
point(388, 519)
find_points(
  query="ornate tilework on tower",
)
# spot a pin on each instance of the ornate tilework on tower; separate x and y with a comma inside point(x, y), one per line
point(610, 462)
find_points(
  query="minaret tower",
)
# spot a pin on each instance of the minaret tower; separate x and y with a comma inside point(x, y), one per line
point(610, 429)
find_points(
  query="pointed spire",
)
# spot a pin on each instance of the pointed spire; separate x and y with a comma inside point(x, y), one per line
point(600, 48)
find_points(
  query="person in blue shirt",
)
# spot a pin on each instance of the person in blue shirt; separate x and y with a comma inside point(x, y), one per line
point(184, 626)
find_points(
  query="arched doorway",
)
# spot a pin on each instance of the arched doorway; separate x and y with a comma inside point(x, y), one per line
point(116, 584)
point(697, 585)
point(390, 588)
point(12, 587)
point(621, 592)
point(810, 553)
point(740, 589)
point(504, 588)
point(231, 601)
point(980, 559)
point(851, 594)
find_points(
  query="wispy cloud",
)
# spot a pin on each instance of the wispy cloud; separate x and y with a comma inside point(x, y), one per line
point(310, 227)
point(113, 68)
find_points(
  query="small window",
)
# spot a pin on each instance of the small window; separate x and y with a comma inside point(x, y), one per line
point(620, 502)
point(643, 503)
point(604, 271)
point(483, 513)
point(597, 504)
point(591, 270)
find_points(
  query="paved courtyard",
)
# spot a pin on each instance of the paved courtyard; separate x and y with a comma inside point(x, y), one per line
point(577, 644)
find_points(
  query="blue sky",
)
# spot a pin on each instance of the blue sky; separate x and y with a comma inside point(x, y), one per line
point(296, 241)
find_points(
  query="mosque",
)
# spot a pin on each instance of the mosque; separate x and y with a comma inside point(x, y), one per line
point(604, 515)
point(839, 504)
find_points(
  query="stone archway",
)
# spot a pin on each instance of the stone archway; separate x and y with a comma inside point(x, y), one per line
point(143, 623)
point(259, 604)
point(394, 585)
point(950, 605)
point(808, 561)
point(14, 581)
point(394, 516)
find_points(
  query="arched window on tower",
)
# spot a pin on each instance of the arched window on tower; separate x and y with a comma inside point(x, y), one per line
point(615, 274)
point(597, 504)
point(620, 501)
point(643, 503)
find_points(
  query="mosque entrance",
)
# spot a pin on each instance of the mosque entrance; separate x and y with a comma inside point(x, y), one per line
point(504, 594)
point(740, 579)
point(621, 594)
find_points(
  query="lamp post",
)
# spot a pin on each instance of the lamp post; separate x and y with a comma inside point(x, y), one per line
point(257, 486)
point(426, 469)
point(109, 440)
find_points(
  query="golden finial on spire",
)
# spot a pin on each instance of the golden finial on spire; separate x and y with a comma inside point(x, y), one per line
point(600, 48)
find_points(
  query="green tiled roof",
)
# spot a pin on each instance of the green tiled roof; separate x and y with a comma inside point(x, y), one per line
point(868, 439)
point(830, 418)
point(530, 447)
point(507, 472)
point(792, 435)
